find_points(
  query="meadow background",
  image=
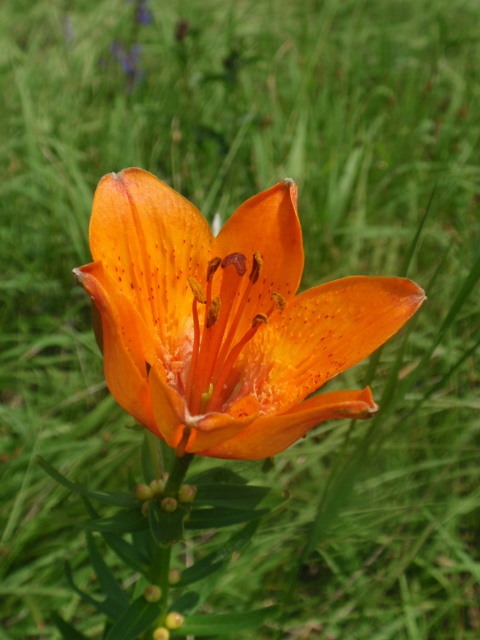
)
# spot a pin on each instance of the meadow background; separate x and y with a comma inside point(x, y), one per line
point(372, 106)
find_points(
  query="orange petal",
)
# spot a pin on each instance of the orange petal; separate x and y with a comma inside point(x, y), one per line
point(326, 330)
point(150, 239)
point(272, 434)
point(168, 408)
point(126, 344)
point(268, 224)
point(173, 418)
point(215, 428)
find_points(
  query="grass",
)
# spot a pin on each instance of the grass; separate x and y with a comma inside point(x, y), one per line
point(372, 107)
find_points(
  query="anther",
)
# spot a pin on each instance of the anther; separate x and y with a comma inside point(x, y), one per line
point(238, 260)
point(213, 312)
point(279, 301)
point(213, 265)
point(260, 318)
point(257, 267)
point(197, 291)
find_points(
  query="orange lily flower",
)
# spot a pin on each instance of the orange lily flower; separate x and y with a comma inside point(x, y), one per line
point(204, 340)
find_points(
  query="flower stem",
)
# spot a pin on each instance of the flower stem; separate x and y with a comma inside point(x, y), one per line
point(177, 474)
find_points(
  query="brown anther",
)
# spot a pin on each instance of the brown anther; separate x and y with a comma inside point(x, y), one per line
point(260, 318)
point(279, 301)
point(196, 288)
point(238, 260)
point(257, 267)
point(213, 265)
point(213, 312)
point(148, 366)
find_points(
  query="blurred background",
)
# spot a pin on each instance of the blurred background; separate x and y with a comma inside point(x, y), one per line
point(371, 106)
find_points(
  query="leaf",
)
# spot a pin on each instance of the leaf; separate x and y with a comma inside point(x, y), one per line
point(166, 528)
point(225, 624)
point(107, 607)
point(217, 559)
point(220, 517)
point(134, 558)
point(241, 497)
point(217, 475)
point(68, 632)
point(121, 522)
point(139, 616)
point(108, 583)
point(119, 499)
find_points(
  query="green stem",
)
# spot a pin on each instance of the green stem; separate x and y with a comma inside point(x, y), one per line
point(155, 453)
point(177, 474)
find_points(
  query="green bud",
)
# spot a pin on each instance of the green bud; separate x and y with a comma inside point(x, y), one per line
point(174, 577)
point(152, 593)
point(169, 505)
point(143, 492)
point(158, 486)
point(187, 493)
point(161, 633)
point(174, 620)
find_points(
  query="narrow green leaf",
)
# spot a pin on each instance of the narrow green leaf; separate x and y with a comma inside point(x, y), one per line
point(217, 475)
point(108, 583)
point(220, 517)
point(217, 559)
point(241, 497)
point(68, 632)
point(225, 624)
point(139, 616)
point(133, 557)
point(166, 528)
point(121, 522)
point(115, 499)
point(106, 607)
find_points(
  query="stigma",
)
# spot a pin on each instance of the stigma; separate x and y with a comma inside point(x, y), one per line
point(222, 328)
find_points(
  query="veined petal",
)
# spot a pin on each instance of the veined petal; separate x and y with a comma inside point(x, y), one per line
point(127, 346)
point(149, 240)
point(269, 435)
point(168, 407)
point(174, 421)
point(268, 224)
point(215, 428)
point(324, 331)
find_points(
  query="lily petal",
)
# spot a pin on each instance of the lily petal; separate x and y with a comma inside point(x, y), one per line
point(126, 344)
point(272, 434)
point(149, 240)
point(268, 224)
point(208, 430)
point(326, 330)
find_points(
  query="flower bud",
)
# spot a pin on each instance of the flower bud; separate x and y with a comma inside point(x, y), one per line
point(161, 633)
point(143, 492)
point(158, 486)
point(174, 620)
point(169, 505)
point(187, 493)
point(174, 577)
point(152, 593)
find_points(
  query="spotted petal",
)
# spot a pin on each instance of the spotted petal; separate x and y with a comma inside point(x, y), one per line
point(270, 435)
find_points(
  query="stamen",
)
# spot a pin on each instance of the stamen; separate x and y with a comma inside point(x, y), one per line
point(257, 267)
point(213, 312)
point(238, 260)
point(213, 265)
point(227, 367)
point(279, 301)
point(197, 291)
point(260, 318)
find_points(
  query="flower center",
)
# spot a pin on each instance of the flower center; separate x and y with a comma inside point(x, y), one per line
point(217, 345)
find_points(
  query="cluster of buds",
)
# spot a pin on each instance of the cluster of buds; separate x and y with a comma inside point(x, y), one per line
point(156, 489)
